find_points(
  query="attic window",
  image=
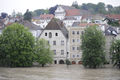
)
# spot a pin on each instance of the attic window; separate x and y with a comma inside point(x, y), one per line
point(56, 34)
point(45, 34)
point(50, 35)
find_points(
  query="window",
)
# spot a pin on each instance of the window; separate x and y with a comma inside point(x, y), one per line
point(54, 42)
point(73, 32)
point(62, 52)
point(54, 52)
point(73, 40)
point(77, 55)
point(62, 42)
point(73, 56)
point(45, 34)
point(78, 40)
point(56, 34)
point(78, 48)
point(50, 35)
point(73, 48)
point(77, 32)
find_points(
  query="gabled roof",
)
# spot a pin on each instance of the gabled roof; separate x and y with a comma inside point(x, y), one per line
point(114, 16)
point(36, 17)
point(56, 24)
point(110, 31)
point(77, 12)
point(31, 26)
point(75, 24)
point(72, 12)
point(46, 16)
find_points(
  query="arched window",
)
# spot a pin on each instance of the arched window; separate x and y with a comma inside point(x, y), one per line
point(50, 35)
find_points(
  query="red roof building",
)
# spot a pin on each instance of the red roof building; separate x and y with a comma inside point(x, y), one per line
point(72, 12)
point(46, 16)
point(114, 16)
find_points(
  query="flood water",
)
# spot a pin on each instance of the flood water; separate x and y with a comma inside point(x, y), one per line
point(59, 72)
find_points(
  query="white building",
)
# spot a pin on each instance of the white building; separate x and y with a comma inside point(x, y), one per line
point(35, 30)
point(42, 20)
point(57, 36)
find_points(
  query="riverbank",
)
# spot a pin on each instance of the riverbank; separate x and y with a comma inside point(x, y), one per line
point(60, 72)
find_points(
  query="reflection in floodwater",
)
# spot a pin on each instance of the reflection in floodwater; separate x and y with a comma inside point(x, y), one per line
point(59, 72)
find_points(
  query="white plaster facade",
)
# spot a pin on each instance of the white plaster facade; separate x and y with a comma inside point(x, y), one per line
point(58, 43)
point(60, 13)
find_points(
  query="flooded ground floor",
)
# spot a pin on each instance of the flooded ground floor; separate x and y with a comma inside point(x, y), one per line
point(60, 72)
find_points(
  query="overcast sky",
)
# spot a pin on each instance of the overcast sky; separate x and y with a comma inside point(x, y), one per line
point(21, 5)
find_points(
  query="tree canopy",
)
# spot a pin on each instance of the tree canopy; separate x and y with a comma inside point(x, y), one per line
point(38, 12)
point(43, 53)
point(93, 47)
point(100, 8)
point(16, 46)
point(28, 15)
point(115, 53)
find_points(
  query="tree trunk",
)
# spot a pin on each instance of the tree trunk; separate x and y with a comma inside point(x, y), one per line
point(43, 65)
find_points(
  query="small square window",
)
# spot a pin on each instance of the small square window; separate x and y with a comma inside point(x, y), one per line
point(77, 55)
point(56, 34)
point(54, 52)
point(77, 32)
point(73, 48)
point(73, 56)
point(62, 52)
point(45, 34)
point(62, 42)
point(78, 40)
point(73, 40)
point(54, 42)
point(73, 32)
point(78, 48)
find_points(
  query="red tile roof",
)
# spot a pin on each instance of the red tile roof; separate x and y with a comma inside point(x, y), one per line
point(114, 16)
point(46, 16)
point(72, 12)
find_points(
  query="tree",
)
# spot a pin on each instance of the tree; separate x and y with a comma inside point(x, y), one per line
point(52, 9)
point(112, 22)
point(28, 15)
point(93, 47)
point(43, 53)
point(4, 15)
point(110, 8)
point(75, 4)
point(16, 46)
point(115, 53)
point(100, 8)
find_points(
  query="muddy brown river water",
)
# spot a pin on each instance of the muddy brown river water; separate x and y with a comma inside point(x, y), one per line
point(59, 72)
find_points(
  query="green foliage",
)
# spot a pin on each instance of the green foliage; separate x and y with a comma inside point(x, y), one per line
point(43, 53)
point(16, 46)
point(38, 12)
point(115, 53)
point(100, 8)
point(93, 47)
point(112, 22)
point(28, 15)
